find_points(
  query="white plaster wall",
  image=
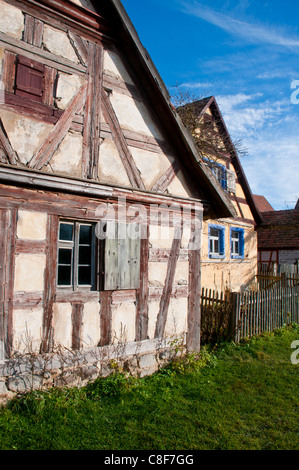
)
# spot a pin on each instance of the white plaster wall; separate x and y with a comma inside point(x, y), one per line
point(176, 323)
point(67, 87)
point(91, 329)
point(111, 169)
point(27, 329)
point(113, 66)
point(25, 134)
point(151, 165)
point(179, 187)
point(133, 115)
point(11, 20)
point(68, 157)
point(161, 237)
point(153, 310)
point(62, 324)
point(58, 43)
point(123, 322)
point(29, 272)
point(157, 273)
point(32, 225)
point(182, 273)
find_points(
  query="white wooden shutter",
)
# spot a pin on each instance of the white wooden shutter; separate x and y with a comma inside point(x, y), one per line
point(231, 181)
point(122, 257)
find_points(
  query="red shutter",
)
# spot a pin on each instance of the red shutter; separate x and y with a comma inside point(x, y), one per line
point(30, 79)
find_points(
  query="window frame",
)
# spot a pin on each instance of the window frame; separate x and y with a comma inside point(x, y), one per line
point(217, 167)
point(241, 240)
point(25, 69)
point(100, 253)
point(74, 246)
point(220, 254)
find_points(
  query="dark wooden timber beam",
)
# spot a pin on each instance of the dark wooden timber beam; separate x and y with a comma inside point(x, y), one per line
point(92, 113)
point(166, 295)
point(120, 141)
point(50, 282)
point(61, 128)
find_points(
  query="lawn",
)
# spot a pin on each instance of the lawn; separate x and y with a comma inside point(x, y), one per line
point(238, 397)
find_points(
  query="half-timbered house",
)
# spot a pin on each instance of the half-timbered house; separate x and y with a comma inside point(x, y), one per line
point(100, 186)
point(229, 245)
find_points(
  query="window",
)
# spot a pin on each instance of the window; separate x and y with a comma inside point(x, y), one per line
point(216, 241)
point(237, 243)
point(227, 178)
point(29, 81)
point(122, 256)
point(76, 255)
point(111, 247)
point(219, 171)
point(30, 86)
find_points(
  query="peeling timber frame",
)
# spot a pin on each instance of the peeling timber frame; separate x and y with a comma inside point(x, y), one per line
point(39, 201)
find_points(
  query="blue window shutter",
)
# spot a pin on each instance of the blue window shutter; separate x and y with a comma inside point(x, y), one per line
point(222, 242)
point(221, 231)
point(241, 253)
point(242, 243)
point(224, 178)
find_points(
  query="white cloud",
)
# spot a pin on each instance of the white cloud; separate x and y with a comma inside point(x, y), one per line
point(194, 85)
point(273, 168)
point(252, 33)
point(247, 114)
point(269, 135)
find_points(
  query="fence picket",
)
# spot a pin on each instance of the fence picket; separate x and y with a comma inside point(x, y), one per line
point(251, 313)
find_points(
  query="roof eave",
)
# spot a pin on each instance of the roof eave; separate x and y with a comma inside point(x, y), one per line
point(221, 206)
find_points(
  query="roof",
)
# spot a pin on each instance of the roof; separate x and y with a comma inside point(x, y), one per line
point(201, 107)
point(209, 188)
point(297, 205)
point(279, 230)
point(262, 204)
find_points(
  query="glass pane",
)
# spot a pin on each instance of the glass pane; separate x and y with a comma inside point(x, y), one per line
point(66, 232)
point(84, 275)
point(65, 256)
point(85, 235)
point(85, 255)
point(64, 275)
point(214, 233)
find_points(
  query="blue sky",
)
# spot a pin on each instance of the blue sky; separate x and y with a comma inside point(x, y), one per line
point(246, 54)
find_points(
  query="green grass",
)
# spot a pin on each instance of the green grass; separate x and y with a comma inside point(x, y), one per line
point(241, 397)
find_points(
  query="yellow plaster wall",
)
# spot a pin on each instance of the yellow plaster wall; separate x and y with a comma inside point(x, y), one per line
point(234, 274)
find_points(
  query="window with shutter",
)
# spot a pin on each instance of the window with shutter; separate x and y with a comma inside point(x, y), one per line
point(122, 256)
point(219, 171)
point(29, 79)
point(76, 255)
point(117, 249)
point(216, 241)
point(237, 241)
point(231, 181)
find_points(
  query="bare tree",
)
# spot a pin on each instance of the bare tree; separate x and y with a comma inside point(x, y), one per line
point(211, 139)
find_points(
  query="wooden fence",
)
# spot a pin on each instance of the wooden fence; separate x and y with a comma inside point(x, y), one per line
point(241, 315)
point(267, 281)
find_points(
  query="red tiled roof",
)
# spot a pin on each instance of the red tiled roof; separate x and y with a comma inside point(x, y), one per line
point(279, 230)
point(262, 204)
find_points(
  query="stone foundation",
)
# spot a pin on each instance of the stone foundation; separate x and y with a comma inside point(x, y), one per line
point(77, 368)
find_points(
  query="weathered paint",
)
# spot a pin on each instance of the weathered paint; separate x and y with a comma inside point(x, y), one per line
point(11, 20)
point(58, 43)
point(29, 272)
point(32, 225)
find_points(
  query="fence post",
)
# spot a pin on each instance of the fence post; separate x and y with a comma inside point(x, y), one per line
point(234, 317)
